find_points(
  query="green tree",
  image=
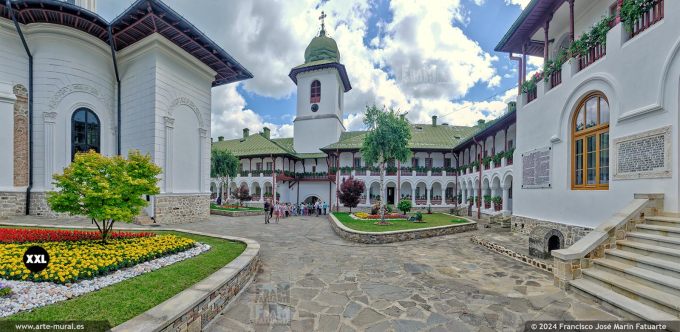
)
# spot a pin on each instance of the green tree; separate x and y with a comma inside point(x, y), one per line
point(106, 189)
point(386, 141)
point(223, 165)
point(404, 206)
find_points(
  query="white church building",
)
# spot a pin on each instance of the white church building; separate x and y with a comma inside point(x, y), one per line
point(71, 81)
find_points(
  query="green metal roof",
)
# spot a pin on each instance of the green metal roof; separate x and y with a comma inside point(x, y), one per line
point(255, 145)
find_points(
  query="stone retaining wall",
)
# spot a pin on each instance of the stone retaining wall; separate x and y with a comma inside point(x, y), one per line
point(236, 213)
point(396, 236)
point(512, 254)
point(571, 233)
point(177, 209)
point(12, 203)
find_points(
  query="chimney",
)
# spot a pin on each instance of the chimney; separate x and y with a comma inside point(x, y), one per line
point(246, 132)
point(266, 132)
point(512, 106)
point(434, 120)
point(220, 138)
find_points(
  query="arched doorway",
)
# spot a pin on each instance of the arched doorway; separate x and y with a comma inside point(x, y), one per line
point(311, 199)
point(553, 243)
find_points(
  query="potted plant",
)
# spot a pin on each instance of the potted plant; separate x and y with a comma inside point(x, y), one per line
point(497, 203)
point(487, 201)
point(509, 155)
point(429, 209)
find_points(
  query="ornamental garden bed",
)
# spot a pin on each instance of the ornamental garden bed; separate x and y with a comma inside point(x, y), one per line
point(235, 210)
point(366, 231)
point(361, 221)
point(87, 280)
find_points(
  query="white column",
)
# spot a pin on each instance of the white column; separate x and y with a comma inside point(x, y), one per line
point(413, 195)
point(202, 137)
point(506, 199)
point(262, 189)
point(396, 196)
point(167, 176)
point(428, 194)
point(49, 119)
point(368, 196)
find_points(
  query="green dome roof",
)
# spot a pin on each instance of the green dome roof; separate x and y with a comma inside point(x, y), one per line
point(322, 48)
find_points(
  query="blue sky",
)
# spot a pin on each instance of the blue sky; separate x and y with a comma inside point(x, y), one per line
point(377, 39)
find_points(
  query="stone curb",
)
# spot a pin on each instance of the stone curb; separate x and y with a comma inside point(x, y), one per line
point(193, 308)
point(236, 213)
point(397, 236)
point(497, 248)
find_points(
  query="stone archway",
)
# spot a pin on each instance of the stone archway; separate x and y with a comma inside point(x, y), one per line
point(543, 240)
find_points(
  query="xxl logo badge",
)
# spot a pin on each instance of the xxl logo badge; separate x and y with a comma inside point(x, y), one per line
point(36, 259)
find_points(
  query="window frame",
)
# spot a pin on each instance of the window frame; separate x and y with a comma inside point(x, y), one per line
point(88, 112)
point(315, 92)
point(582, 135)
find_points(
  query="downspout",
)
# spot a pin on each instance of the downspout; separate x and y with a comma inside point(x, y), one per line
point(455, 194)
point(30, 107)
point(479, 188)
point(115, 68)
point(519, 75)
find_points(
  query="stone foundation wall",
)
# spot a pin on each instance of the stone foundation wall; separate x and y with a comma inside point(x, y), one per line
point(179, 209)
point(12, 203)
point(571, 233)
point(236, 213)
point(39, 206)
point(396, 236)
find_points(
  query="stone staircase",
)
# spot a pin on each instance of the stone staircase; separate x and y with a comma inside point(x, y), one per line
point(640, 278)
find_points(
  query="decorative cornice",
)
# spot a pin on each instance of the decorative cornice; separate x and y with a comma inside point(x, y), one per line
point(50, 117)
point(169, 122)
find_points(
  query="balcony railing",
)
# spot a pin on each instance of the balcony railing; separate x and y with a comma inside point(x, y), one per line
point(532, 94)
point(649, 18)
point(555, 79)
point(594, 53)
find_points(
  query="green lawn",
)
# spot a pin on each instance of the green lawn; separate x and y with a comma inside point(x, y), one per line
point(243, 208)
point(122, 301)
point(430, 220)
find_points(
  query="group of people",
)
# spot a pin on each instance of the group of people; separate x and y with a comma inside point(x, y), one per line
point(280, 210)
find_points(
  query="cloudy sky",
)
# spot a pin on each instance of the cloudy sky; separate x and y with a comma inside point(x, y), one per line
point(421, 57)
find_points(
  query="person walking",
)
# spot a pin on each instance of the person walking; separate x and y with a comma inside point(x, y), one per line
point(270, 211)
point(325, 207)
point(277, 212)
point(266, 211)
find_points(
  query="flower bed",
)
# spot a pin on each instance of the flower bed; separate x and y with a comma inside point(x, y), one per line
point(21, 235)
point(71, 261)
point(388, 216)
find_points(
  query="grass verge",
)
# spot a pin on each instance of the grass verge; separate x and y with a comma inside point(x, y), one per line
point(429, 220)
point(122, 301)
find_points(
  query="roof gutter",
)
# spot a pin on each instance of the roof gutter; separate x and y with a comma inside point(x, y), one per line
point(8, 4)
point(118, 111)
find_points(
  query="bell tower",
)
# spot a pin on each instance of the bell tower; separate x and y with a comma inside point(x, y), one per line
point(321, 85)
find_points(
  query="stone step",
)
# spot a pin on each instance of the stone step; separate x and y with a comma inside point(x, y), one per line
point(650, 250)
point(658, 240)
point(640, 275)
point(657, 265)
point(622, 302)
point(662, 221)
point(672, 231)
point(650, 296)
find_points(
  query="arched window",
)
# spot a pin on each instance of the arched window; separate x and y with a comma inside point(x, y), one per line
point(590, 143)
point(85, 131)
point(315, 92)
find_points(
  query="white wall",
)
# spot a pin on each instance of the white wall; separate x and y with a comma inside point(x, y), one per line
point(7, 100)
point(642, 87)
point(315, 133)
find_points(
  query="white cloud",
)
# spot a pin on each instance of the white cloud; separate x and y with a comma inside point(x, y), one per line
point(521, 3)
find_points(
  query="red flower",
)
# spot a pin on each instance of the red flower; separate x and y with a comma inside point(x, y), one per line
point(20, 235)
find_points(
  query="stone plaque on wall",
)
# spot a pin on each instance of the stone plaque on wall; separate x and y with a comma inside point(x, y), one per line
point(643, 156)
point(536, 168)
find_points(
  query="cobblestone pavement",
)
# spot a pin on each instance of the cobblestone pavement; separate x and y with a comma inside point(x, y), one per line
point(437, 284)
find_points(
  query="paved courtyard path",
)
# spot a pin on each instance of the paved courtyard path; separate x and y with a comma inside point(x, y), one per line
point(437, 284)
